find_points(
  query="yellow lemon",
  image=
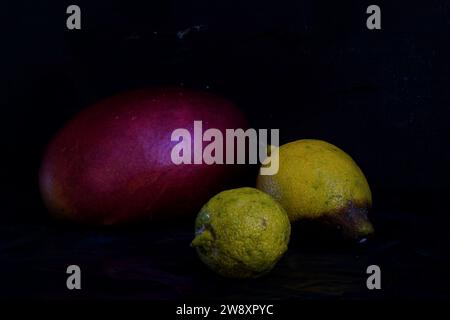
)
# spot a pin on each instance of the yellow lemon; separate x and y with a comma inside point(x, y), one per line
point(317, 180)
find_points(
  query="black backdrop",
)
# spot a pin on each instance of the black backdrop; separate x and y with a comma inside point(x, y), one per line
point(310, 68)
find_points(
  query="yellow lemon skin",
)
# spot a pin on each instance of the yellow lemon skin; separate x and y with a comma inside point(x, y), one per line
point(241, 233)
point(318, 180)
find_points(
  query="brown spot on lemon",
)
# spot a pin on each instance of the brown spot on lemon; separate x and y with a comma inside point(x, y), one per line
point(317, 180)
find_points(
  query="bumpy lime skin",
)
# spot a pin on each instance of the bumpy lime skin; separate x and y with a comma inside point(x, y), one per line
point(242, 233)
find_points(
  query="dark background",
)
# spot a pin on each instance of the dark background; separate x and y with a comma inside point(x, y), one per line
point(310, 68)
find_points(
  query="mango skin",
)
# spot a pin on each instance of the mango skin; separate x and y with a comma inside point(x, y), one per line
point(111, 163)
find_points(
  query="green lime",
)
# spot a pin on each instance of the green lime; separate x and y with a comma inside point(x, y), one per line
point(241, 233)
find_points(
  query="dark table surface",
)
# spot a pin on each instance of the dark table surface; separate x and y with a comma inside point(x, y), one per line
point(156, 262)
